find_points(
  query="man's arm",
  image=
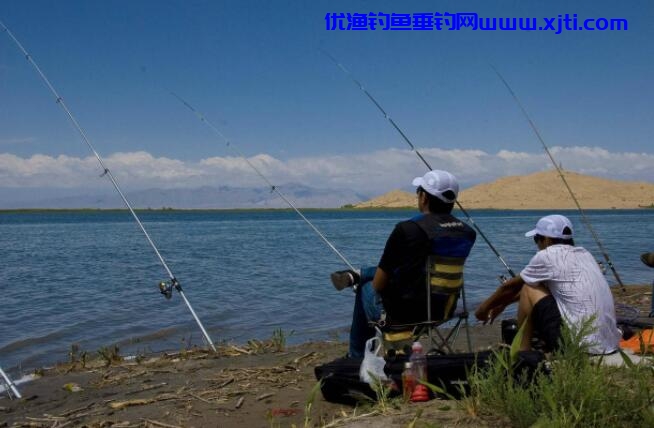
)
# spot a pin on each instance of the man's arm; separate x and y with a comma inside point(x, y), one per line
point(381, 279)
point(507, 293)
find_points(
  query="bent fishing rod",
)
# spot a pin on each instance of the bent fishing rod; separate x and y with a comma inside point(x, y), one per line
point(565, 182)
point(166, 289)
point(413, 148)
point(12, 386)
point(273, 188)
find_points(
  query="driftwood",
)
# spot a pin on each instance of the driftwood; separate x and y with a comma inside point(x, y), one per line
point(239, 403)
point(227, 382)
point(264, 396)
point(200, 398)
point(79, 409)
point(302, 357)
point(117, 405)
point(150, 422)
point(147, 388)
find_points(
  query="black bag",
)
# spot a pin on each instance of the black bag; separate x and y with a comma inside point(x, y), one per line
point(341, 384)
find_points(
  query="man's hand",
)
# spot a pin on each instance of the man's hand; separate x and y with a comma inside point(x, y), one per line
point(482, 313)
point(507, 293)
point(487, 314)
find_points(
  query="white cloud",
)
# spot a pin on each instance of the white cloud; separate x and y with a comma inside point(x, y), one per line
point(42, 170)
point(371, 173)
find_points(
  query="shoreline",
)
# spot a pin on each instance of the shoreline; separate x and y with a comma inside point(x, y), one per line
point(136, 350)
point(261, 383)
point(249, 385)
point(290, 210)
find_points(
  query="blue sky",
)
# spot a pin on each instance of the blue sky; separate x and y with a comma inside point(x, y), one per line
point(254, 69)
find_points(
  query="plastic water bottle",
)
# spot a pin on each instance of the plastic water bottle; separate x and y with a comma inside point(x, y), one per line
point(418, 362)
point(408, 381)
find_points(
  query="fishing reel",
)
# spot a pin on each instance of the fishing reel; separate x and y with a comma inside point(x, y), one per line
point(166, 287)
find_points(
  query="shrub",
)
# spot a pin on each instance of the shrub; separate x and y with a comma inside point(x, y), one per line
point(577, 392)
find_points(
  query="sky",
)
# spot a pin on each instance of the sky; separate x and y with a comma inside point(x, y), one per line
point(255, 70)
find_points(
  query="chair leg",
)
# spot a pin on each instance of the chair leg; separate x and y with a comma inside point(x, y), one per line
point(443, 342)
point(428, 284)
point(465, 312)
point(451, 337)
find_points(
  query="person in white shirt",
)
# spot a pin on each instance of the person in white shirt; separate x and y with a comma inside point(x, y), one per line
point(563, 283)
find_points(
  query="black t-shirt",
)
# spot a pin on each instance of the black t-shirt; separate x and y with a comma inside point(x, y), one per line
point(405, 257)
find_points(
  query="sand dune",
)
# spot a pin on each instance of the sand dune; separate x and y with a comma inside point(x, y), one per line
point(541, 190)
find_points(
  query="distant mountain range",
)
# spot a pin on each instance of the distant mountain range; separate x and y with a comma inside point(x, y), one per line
point(194, 198)
point(541, 190)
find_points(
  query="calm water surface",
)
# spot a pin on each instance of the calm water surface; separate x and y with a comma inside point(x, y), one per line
point(90, 278)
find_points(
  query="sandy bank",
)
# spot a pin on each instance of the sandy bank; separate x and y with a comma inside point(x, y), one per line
point(540, 191)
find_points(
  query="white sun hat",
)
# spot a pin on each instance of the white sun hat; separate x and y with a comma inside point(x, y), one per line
point(439, 183)
point(553, 226)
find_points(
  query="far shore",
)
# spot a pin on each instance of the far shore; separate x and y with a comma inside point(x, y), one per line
point(339, 209)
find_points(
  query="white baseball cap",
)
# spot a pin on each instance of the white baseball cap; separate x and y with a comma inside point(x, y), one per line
point(438, 183)
point(552, 226)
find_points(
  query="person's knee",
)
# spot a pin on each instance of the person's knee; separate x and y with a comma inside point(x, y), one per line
point(371, 301)
point(533, 294)
point(529, 297)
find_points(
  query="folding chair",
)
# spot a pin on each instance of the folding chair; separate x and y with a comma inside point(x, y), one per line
point(444, 283)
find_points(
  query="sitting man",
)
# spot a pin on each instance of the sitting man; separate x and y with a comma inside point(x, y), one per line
point(396, 289)
point(563, 282)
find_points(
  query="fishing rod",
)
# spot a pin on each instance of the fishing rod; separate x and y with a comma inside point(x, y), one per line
point(406, 139)
point(565, 182)
point(166, 288)
point(10, 384)
point(273, 188)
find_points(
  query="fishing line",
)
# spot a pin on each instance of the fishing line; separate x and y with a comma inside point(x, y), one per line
point(406, 139)
point(174, 283)
point(558, 169)
point(10, 384)
point(273, 188)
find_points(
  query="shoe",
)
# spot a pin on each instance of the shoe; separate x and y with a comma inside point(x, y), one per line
point(648, 259)
point(627, 332)
point(345, 278)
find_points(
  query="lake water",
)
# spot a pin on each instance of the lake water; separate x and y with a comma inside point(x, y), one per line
point(90, 278)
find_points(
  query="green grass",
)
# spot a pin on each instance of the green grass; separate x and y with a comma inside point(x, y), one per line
point(110, 355)
point(577, 392)
point(278, 339)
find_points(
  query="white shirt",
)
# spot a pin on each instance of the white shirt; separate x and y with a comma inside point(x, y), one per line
point(580, 290)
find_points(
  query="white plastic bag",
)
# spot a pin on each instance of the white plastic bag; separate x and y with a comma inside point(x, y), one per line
point(372, 366)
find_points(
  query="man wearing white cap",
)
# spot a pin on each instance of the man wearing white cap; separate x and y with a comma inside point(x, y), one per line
point(395, 289)
point(564, 282)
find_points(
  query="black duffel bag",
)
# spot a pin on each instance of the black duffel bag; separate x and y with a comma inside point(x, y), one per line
point(341, 383)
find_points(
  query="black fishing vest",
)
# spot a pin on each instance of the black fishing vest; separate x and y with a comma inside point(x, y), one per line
point(448, 241)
